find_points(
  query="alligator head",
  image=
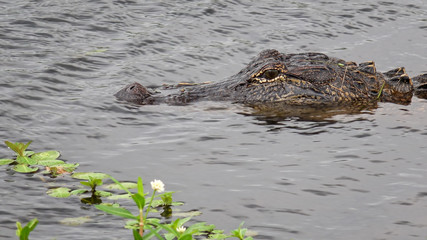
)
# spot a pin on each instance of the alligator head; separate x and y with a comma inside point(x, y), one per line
point(135, 93)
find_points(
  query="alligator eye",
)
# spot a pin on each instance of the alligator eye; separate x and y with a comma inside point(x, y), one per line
point(271, 74)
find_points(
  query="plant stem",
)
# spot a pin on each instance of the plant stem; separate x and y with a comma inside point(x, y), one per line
point(142, 217)
point(141, 222)
point(149, 205)
point(381, 91)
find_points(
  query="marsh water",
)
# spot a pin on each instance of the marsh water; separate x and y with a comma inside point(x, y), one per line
point(359, 175)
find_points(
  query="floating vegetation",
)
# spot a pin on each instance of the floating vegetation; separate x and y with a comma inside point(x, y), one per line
point(30, 162)
point(144, 224)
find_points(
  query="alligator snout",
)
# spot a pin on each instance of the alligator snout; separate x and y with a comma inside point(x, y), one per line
point(133, 92)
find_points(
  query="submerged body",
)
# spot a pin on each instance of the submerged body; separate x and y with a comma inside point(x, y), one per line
point(292, 79)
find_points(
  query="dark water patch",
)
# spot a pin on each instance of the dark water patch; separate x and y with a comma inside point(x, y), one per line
point(422, 194)
point(253, 206)
point(280, 229)
point(360, 190)
point(347, 156)
point(319, 192)
point(25, 22)
point(403, 203)
point(377, 161)
point(363, 135)
point(293, 211)
point(72, 68)
point(366, 9)
point(408, 223)
point(333, 185)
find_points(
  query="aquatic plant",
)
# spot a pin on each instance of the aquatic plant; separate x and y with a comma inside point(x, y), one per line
point(24, 232)
point(143, 225)
point(175, 230)
point(26, 161)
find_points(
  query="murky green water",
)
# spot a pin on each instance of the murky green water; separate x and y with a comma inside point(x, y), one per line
point(359, 176)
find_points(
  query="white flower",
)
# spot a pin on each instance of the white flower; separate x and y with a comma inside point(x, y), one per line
point(181, 229)
point(158, 186)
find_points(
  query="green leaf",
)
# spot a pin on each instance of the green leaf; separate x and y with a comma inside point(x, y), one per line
point(164, 194)
point(115, 186)
point(61, 192)
point(78, 191)
point(96, 182)
point(241, 232)
point(186, 237)
point(5, 161)
point(32, 224)
point(28, 153)
point(12, 146)
point(179, 222)
point(152, 221)
point(25, 160)
point(119, 196)
point(18, 228)
point(200, 227)
point(86, 175)
point(158, 203)
point(165, 227)
point(152, 231)
point(175, 223)
point(69, 167)
point(103, 194)
point(50, 162)
point(136, 235)
point(24, 147)
point(169, 236)
point(218, 236)
point(18, 148)
point(140, 186)
point(132, 224)
point(118, 211)
point(121, 185)
point(24, 168)
point(187, 214)
point(86, 184)
point(139, 200)
point(167, 199)
point(62, 168)
point(47, 155)
point(113, 205)
point(24, 233)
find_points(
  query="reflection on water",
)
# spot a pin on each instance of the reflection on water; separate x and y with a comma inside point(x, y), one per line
point(277, 112)
point(355, 173)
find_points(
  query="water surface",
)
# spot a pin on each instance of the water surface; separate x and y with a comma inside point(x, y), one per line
point(352, 176)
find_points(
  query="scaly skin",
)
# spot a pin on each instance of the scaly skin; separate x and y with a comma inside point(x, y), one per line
point(291, 79)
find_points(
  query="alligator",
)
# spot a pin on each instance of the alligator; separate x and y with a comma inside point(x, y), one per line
point(292, 79)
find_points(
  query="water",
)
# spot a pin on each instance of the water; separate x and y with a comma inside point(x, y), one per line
point(352, 176)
